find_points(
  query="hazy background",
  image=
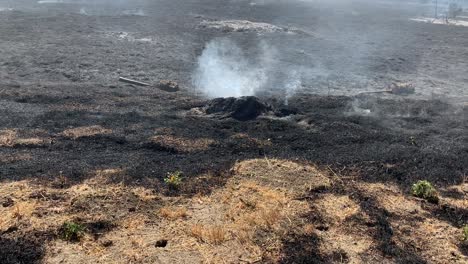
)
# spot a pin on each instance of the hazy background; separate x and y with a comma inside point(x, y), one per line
point(327, 47)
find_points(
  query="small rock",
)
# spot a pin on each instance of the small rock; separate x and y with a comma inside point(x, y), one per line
point(161, 243)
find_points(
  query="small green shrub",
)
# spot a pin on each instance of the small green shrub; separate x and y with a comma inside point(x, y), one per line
point(72, 231)
point(425, 190)
point(173, 179)
point(465, 233)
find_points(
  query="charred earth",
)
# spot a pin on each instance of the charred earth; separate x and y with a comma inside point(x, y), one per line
point(161, 174)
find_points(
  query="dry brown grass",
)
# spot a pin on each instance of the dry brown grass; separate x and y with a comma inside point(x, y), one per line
point(247, 141)
point(7, 137)
point(32, 142)
point(197, 232)
point(173, 213)
point(10, 138)
point(245, 235)
point(21, 210)
point(243, 220)
point(107, 176)
point(284, 173)
point(86, 131)
point(215, 235)
point(182, 144)
point(336, 208)
point(219, 227)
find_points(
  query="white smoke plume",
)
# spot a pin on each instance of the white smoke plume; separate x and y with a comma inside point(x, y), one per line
point(224, 70)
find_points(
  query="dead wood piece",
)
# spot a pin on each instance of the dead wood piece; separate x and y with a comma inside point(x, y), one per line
point(126, 80)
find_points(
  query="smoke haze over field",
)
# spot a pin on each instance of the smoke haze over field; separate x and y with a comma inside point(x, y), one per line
point(225, 70)
point(336, 47)
point(353, 46)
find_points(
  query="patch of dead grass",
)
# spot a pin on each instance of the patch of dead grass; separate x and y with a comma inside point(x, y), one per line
point(7, 137)
point(11, 138)
point(85, 131)
point(134, 222)
point(284, 173)
point(244, 140)
point(336, 208)
point(215, 235)
point(182, 144)
point(171, 212)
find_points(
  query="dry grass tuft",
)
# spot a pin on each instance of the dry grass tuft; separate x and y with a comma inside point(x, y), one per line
point(86, 131)
point(173, 213)
point(215, 235)
point(197, 232)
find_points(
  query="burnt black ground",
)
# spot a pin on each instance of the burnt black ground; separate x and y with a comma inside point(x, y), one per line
point(350, 47)
point(59, 70)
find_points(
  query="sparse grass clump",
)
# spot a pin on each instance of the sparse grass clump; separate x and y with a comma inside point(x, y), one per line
point(173, 213)
point(173, 179)
point(71, 231)
point(425, 190)
point(214, 235)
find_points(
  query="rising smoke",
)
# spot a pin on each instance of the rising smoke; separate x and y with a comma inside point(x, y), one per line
point(225, 70)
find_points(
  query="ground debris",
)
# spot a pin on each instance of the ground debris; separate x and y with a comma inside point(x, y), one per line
point(126, 80)
point(168, 86)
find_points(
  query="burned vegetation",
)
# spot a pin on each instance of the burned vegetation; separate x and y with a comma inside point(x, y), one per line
point(134, 132)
